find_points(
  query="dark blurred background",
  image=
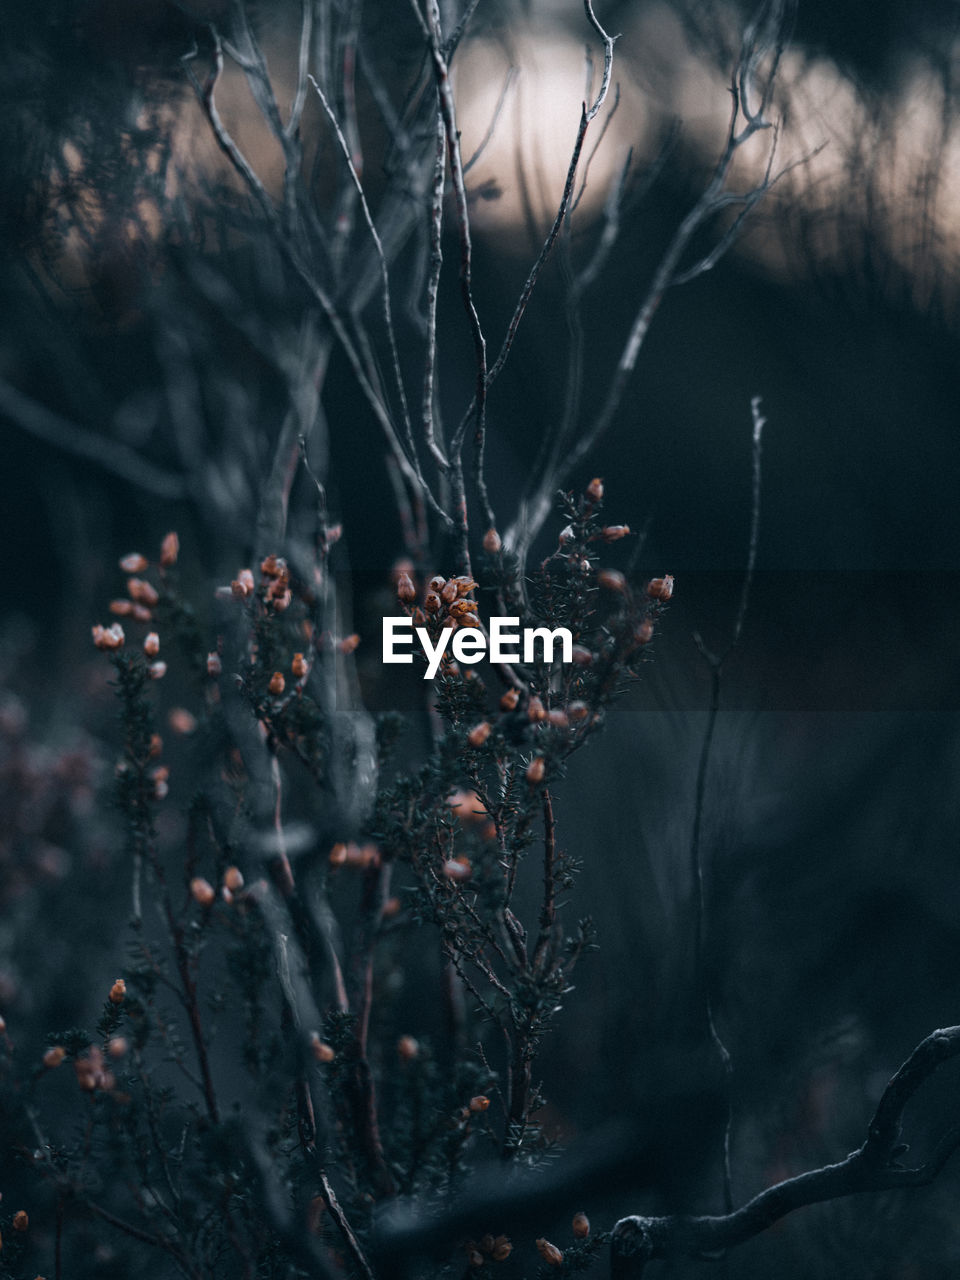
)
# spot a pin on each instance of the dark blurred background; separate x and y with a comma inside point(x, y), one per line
point(833, 805)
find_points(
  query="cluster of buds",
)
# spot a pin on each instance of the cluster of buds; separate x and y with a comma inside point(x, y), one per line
point(141, 598)
point(446, 601)
point(275, 584)
point(494, 1248)
point(361, 857)
point(108, 638)
point(91, 1072)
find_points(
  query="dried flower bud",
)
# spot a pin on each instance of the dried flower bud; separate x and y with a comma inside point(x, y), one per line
point(243, 584)
point(54, 1056)
point(578, 711)
point(509, 700)
point(157, 670)
point(233, 879)
point(169, 550)
point(436, 583)
point(432, 602)
point(457, 869)
point(117, 1046)
point(549, 1253)
point(143, 592)
point(536, 711)
point(298, 667)
point(468, 620)
point(156, 745)
point(181, 721)
point(321, 1051)
point(406, 591)
point(536, 770)
point(479, 1103)
point(612, 580)
point(20, 1220)
point(614, 532)
point(660, 588)
point(558, 718)
point(133, 563)
point(108, 638)
point(474, 1258)
point(214, 665)
point(270, 566)
point(202, 891)
point(118, 991)
point(644, 633)
point(151, 644)
point(464, 585)
point(479, 734)
point(407, 1048)
point(121, 608)
point(281, 602)
point(338, 854)
point(140, 613)
point(449, 593)
point(277, 684)
point(349, 644)
point(502, 1249)
point(492, 543)
point(594, 490)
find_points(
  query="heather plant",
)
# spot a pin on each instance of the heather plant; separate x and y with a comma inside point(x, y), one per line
point(344, 935)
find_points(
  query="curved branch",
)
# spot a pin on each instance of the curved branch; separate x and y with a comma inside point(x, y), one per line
point(874, 1166)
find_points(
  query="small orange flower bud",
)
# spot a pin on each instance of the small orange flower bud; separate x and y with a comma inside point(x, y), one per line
point(54, 1056)
point(510, 700)
point(558, 718)
point(121, 608)
point(594, 490)
point(321, 1051)
point(479, 734)
point(277, 684)
point(338, 854)
point(457, 869)
point(536, 770)
point(156, 745)
point(581, 1226)
point(644, 633)
point(140, 613)
point(349, 644)
point(243, 584)
point(20, 1220)
point(133, 563)
point(432, 602)
point(491, 542)
point(117, 1046)
point(169, 550)
point(406, 591)
point(118, 991)
point(142, 592)
point(270, 567)
point(502, 1249)
point(479, 1103)
point(578, 711)
point(233, 879)
point(157, 670)
point(181, 721)
point(298, 666)
point(660, 588)
point(151, 644)
point(202, 891)
point(612, 580)
point(535, 709)
point(407, 1048)
point(549, 1253)
point(614, 532)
